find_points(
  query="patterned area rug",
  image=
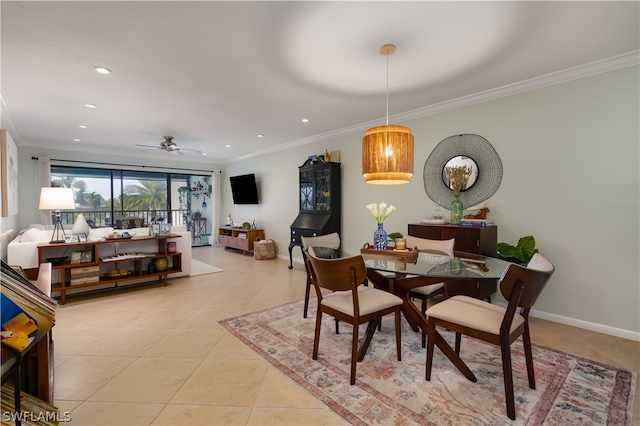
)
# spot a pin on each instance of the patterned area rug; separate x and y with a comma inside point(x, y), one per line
point(570, 390)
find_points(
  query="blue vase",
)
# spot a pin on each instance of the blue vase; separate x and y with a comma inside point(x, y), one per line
point(380, 238)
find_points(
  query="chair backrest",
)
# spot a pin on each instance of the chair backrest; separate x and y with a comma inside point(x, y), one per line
point(442, 246)
point(330, 240)
point(342, 274)
point(534, 277)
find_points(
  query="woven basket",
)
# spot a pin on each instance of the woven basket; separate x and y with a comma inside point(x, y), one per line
point(264, 249)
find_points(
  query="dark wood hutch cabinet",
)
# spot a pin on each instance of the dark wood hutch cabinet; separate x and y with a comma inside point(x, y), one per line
point(319, 196)
point(469, 239)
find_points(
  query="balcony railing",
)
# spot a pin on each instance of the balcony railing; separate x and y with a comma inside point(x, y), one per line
point(101, 219)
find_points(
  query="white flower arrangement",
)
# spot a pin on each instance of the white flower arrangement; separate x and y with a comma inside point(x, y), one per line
point(380, 211)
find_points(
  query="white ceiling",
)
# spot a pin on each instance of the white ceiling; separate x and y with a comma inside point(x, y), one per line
point(216, 73)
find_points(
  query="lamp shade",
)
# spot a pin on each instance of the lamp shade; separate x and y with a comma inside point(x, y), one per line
point(56, 198)
point(387, 155)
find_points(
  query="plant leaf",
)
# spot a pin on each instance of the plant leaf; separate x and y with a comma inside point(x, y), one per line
point(507, 250)
point(528, 246)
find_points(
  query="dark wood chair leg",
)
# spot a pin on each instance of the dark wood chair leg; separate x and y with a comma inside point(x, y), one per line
point(398, 335)
point(508, 378)
point(431, 331)
point(337, 325)
point(423, 307)
point(316, 337)
point(528, 355)
point(354, 353)
point(306, 298)
point(458, 343)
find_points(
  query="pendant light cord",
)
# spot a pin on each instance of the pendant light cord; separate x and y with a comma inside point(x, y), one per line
point(387, 89)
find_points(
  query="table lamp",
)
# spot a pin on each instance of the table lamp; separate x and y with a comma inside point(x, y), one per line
point(56, 199)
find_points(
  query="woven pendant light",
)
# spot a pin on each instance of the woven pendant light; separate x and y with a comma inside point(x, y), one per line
point(387, 151)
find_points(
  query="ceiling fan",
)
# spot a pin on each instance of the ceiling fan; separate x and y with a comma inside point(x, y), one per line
point(169, 145)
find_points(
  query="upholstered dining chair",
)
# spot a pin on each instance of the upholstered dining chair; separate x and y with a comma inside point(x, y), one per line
point(331, 241)
point(429, 291)
point(520, 286)
point(343, 276)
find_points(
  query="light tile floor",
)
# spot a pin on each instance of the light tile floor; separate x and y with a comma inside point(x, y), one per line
point(154, 355)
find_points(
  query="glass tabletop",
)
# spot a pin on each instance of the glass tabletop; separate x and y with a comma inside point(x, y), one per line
point(463, 266)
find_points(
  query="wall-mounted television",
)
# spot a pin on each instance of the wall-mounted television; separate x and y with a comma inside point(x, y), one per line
point(244, 189)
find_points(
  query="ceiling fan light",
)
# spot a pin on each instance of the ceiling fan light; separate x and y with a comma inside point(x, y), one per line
point(387, 155)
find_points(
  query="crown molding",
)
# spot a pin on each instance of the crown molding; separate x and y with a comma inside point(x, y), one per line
point(575, 73)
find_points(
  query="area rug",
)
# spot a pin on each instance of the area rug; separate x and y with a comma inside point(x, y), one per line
point(201, 268)
point(570, 390)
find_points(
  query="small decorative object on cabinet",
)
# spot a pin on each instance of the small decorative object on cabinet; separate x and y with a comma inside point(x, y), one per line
point(161, 263)
point(319, 198)
point(473, 240)
point(238, 238)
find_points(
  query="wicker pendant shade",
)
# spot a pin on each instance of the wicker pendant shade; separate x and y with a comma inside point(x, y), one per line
point(387, 151)
point(387, 155)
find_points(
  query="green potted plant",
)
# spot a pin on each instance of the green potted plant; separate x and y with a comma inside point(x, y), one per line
point(521, 253)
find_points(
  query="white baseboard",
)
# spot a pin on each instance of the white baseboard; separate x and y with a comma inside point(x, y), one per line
point(600, 328)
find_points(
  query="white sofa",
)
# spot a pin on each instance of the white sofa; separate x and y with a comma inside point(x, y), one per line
point(23, 249)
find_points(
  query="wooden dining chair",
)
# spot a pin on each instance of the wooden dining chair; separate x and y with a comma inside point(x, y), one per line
point(520, 286)
point(346, 303)
point(429, 291)
point(331, 241)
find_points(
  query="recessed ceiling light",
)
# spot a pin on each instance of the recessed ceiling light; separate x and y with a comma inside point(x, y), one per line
point(305, 120)
point(102, 70)
point(228, 146)
point(204, 153)
point(76, 140)
point(260, 135)
point(82, 126)
point(90, 106)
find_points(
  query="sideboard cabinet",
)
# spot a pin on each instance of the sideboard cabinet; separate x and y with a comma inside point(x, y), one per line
point(108, 255)
point(239, 238)
point(469, 239)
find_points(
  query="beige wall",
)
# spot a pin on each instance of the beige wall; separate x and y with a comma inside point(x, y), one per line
point(570, 154)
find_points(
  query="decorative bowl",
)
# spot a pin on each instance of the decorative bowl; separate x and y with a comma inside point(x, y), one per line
point(55, 261)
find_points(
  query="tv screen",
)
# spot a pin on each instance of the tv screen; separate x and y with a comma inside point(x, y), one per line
point(244, 189)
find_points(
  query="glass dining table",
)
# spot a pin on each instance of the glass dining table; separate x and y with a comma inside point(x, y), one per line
point(399, 274)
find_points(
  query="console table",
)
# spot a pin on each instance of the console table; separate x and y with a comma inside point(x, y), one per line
point(469, 239)
point(133, 262)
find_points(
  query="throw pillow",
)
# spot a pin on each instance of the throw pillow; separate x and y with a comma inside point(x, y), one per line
point(80, 226)
point(36, 235)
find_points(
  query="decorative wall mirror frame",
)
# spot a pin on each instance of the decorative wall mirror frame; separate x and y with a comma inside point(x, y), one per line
point(477, 149)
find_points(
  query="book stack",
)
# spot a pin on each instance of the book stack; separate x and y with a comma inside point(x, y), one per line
point(476, 222)
point(242, 235)
point(33, 411)
point(87, 274)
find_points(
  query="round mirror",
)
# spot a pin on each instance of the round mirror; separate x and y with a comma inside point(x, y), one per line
point(461, 161)
point(463, 150)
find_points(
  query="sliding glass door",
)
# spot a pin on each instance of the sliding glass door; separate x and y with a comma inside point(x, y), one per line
point(125, 198)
